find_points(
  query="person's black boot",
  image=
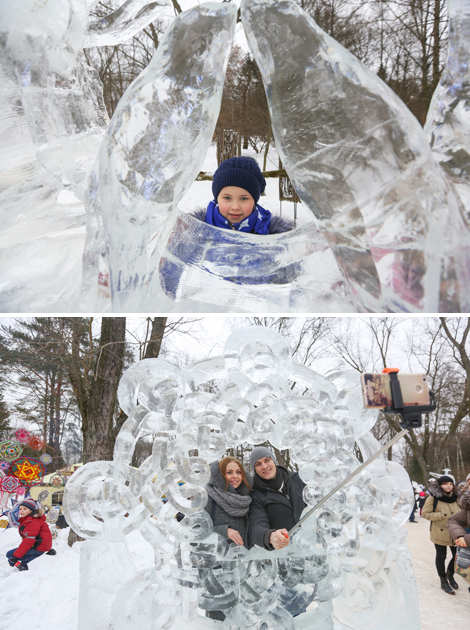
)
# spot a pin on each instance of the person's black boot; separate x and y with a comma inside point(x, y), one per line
point(450, 579)
point(445, 586)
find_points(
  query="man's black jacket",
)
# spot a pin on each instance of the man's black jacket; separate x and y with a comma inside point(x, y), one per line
point(272, 509)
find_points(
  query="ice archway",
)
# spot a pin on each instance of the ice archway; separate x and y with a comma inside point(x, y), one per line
point(349, 565)
point(390, 216)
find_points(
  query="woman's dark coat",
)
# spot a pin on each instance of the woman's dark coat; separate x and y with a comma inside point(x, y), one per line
point(221, 519)
point(271, 509)
point(277, 226)
point(458, 523)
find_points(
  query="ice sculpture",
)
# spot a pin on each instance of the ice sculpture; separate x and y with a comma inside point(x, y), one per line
point(391, 229)
point(347, 567)
point(140, 174)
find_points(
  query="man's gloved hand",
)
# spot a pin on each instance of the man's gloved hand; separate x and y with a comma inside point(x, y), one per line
point(13, 561)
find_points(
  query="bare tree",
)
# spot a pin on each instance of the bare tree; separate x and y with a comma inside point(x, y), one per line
point(413, 36)
point(307, 336)
point(94, 375)
point(439, 348)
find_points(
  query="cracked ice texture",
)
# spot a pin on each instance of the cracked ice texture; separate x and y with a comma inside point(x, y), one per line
point(392, 217)
point(52, 118)
point(362, 164)
point(155, 145)
point(128, 20)
point(350, 559)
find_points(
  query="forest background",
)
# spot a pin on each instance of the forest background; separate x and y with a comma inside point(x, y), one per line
point(59, 376)
point(404, 42)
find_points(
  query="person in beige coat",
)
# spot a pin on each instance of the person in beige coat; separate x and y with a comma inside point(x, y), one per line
point(438, 508)
point(458, 527)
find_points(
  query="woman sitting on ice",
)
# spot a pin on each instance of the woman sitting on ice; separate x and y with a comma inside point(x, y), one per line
point(237, 186)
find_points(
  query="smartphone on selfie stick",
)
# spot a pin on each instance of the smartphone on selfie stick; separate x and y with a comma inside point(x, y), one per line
point(405, 394)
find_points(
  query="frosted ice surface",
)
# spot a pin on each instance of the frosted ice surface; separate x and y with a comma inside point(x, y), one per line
point(128, 20)
point(448, 126)
point(361, 163)
point(154, 147)
point(52, 121)
point(448, 122)
point(349, 559)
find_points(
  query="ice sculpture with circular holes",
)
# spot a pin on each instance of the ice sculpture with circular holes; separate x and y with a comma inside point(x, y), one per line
point(347, 567)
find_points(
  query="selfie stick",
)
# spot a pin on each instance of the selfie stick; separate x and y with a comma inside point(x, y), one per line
point(411, 418)
point(348, 479)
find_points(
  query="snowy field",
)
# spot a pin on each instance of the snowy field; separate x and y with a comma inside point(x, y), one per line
point(46, 596)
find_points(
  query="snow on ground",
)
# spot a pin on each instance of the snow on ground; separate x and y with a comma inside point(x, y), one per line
point(439, 611)
point(47, 595)
point(44, 597)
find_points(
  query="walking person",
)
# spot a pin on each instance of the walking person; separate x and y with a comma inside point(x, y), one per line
point(228, 505)
point(438, 508)
point(458, 527)
point(36, 535)
point(415, 505)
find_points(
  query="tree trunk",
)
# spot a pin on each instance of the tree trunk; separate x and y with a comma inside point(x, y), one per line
point(97, 429)
point(73, 537)
point(436, 47)
point(96, 398)
point(95, 386)
point(156, 337)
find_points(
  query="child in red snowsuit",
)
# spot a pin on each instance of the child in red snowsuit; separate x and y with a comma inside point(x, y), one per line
point(36, 535)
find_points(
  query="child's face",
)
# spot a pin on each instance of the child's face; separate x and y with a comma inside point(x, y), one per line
point(235, 204)
point(24, 511)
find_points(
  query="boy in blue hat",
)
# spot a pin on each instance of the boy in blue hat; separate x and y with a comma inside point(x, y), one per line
point(237, 186)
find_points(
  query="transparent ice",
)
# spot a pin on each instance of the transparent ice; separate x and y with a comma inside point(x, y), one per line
point(347, 567)
point(390, 213)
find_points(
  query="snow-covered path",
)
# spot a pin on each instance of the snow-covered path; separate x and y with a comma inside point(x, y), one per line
point(47, 595)
point(439, 611)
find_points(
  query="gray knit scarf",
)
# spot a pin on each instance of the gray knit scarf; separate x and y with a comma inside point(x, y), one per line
point(233, 503)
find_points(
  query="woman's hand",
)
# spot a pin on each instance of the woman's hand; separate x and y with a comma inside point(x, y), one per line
point(235, 536)
point(460, 542)
point(279, 539)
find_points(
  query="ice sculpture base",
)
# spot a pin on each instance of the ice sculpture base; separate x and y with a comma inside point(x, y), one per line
point(200, 268)
point(105, 567)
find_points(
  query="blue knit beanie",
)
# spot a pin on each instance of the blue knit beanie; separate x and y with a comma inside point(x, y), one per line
point(243, 172)
point(30, 503)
